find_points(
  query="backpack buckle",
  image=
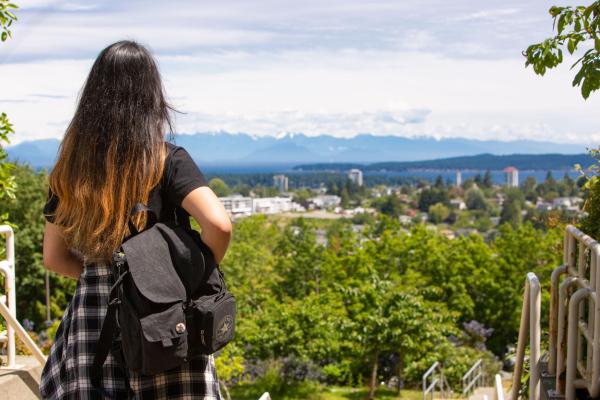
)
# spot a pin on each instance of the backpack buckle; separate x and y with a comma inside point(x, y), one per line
point(114, 302)
point(118, 258)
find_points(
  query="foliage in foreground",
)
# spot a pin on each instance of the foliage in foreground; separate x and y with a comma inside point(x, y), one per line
point(577, 27)
point(383, 303)
point(320, 301)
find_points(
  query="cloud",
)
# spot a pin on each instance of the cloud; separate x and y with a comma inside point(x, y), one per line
point(77, 29)
point(414, 67)
point(488, 14)
point(311, 124)
point(48, 96)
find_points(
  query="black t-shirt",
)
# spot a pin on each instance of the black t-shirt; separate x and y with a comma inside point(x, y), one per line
point(181, 175)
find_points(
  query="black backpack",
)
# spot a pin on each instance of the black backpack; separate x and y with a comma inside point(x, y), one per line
point(169, 300)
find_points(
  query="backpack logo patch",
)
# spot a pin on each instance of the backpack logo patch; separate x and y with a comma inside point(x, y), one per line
point(224, 327)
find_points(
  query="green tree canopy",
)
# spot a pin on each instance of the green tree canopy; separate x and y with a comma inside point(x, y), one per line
point(438, 213)
point(7, 181)
point(475, 200)
point(219, 187)
point(577, 27)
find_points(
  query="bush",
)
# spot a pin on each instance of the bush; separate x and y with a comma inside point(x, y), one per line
point(273, 380)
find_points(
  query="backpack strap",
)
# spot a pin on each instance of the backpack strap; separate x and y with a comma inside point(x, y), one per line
point(138, 208)
point(109, 328)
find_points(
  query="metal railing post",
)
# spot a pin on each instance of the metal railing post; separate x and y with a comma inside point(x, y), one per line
point(553, 316)
point(498, 389)
point(9, 311)
point(473, 378)
point(535, 333)
point(8, 267)
point(530, 321)
point(429, 388)
point(572, 340)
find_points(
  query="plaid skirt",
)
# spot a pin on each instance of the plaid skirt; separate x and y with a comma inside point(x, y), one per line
point(66, 374)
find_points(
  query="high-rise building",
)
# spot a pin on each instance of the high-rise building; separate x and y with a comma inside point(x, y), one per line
point(458, 178)
point(356, 176)
point(280, 182)
point(511, 176)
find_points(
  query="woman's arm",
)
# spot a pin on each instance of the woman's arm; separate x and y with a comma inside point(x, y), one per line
point(206, 208)
point(57, 256)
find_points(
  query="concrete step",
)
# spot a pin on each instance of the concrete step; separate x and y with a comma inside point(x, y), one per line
point(483, 393)
point(22, 382)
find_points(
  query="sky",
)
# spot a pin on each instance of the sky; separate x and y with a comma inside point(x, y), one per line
point(340, 67)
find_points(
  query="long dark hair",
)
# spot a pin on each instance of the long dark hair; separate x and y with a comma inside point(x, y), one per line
point(113, 151)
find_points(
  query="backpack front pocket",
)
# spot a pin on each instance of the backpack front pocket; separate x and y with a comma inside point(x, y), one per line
point(214, 322)
point(163, 340)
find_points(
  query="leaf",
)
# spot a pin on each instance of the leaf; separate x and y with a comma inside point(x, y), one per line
point(4, 36)
point(560, 26)
point(585, 89)
point(554, 10)
point(572, 45)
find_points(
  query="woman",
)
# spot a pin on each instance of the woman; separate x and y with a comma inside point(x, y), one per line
point(113, 156)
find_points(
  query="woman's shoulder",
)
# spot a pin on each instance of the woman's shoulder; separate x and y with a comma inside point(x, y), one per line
point(175, 151)
point(177, 156)
point(171, 148)
point(181, 173)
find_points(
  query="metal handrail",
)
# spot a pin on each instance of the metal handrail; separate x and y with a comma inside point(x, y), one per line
point(474, 376)
point(574, 354)
point(438, 379)
point(498, 389)
point(8, 268)
point(530, 323)
point(9, 312)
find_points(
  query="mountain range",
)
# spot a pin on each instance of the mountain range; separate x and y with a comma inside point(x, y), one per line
point(227, 149)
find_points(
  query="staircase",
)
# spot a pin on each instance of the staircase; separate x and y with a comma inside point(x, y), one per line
point(482, 393)
point(21, 382)
point(19, 375)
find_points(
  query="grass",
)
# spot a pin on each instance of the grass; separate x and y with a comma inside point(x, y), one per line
point(346, 393)
point(313, 391)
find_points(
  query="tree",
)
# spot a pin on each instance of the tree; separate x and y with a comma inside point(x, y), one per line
point(389, 205)
point(487, 179)
point(7, 17)
point(438, 213)
point(590, 224)
point(430, 197)
point(439, 182)
point(576, 27)
point(567, 186)
point(301, 196)
point(529, 184)
point(7, 182)
point(475, 200)
point(219, 187)
point(384, 320)
point(344, 198)
point(511, 213)
point(299, 259)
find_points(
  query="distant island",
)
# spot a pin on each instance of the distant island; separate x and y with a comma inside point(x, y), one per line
point(532, 162)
